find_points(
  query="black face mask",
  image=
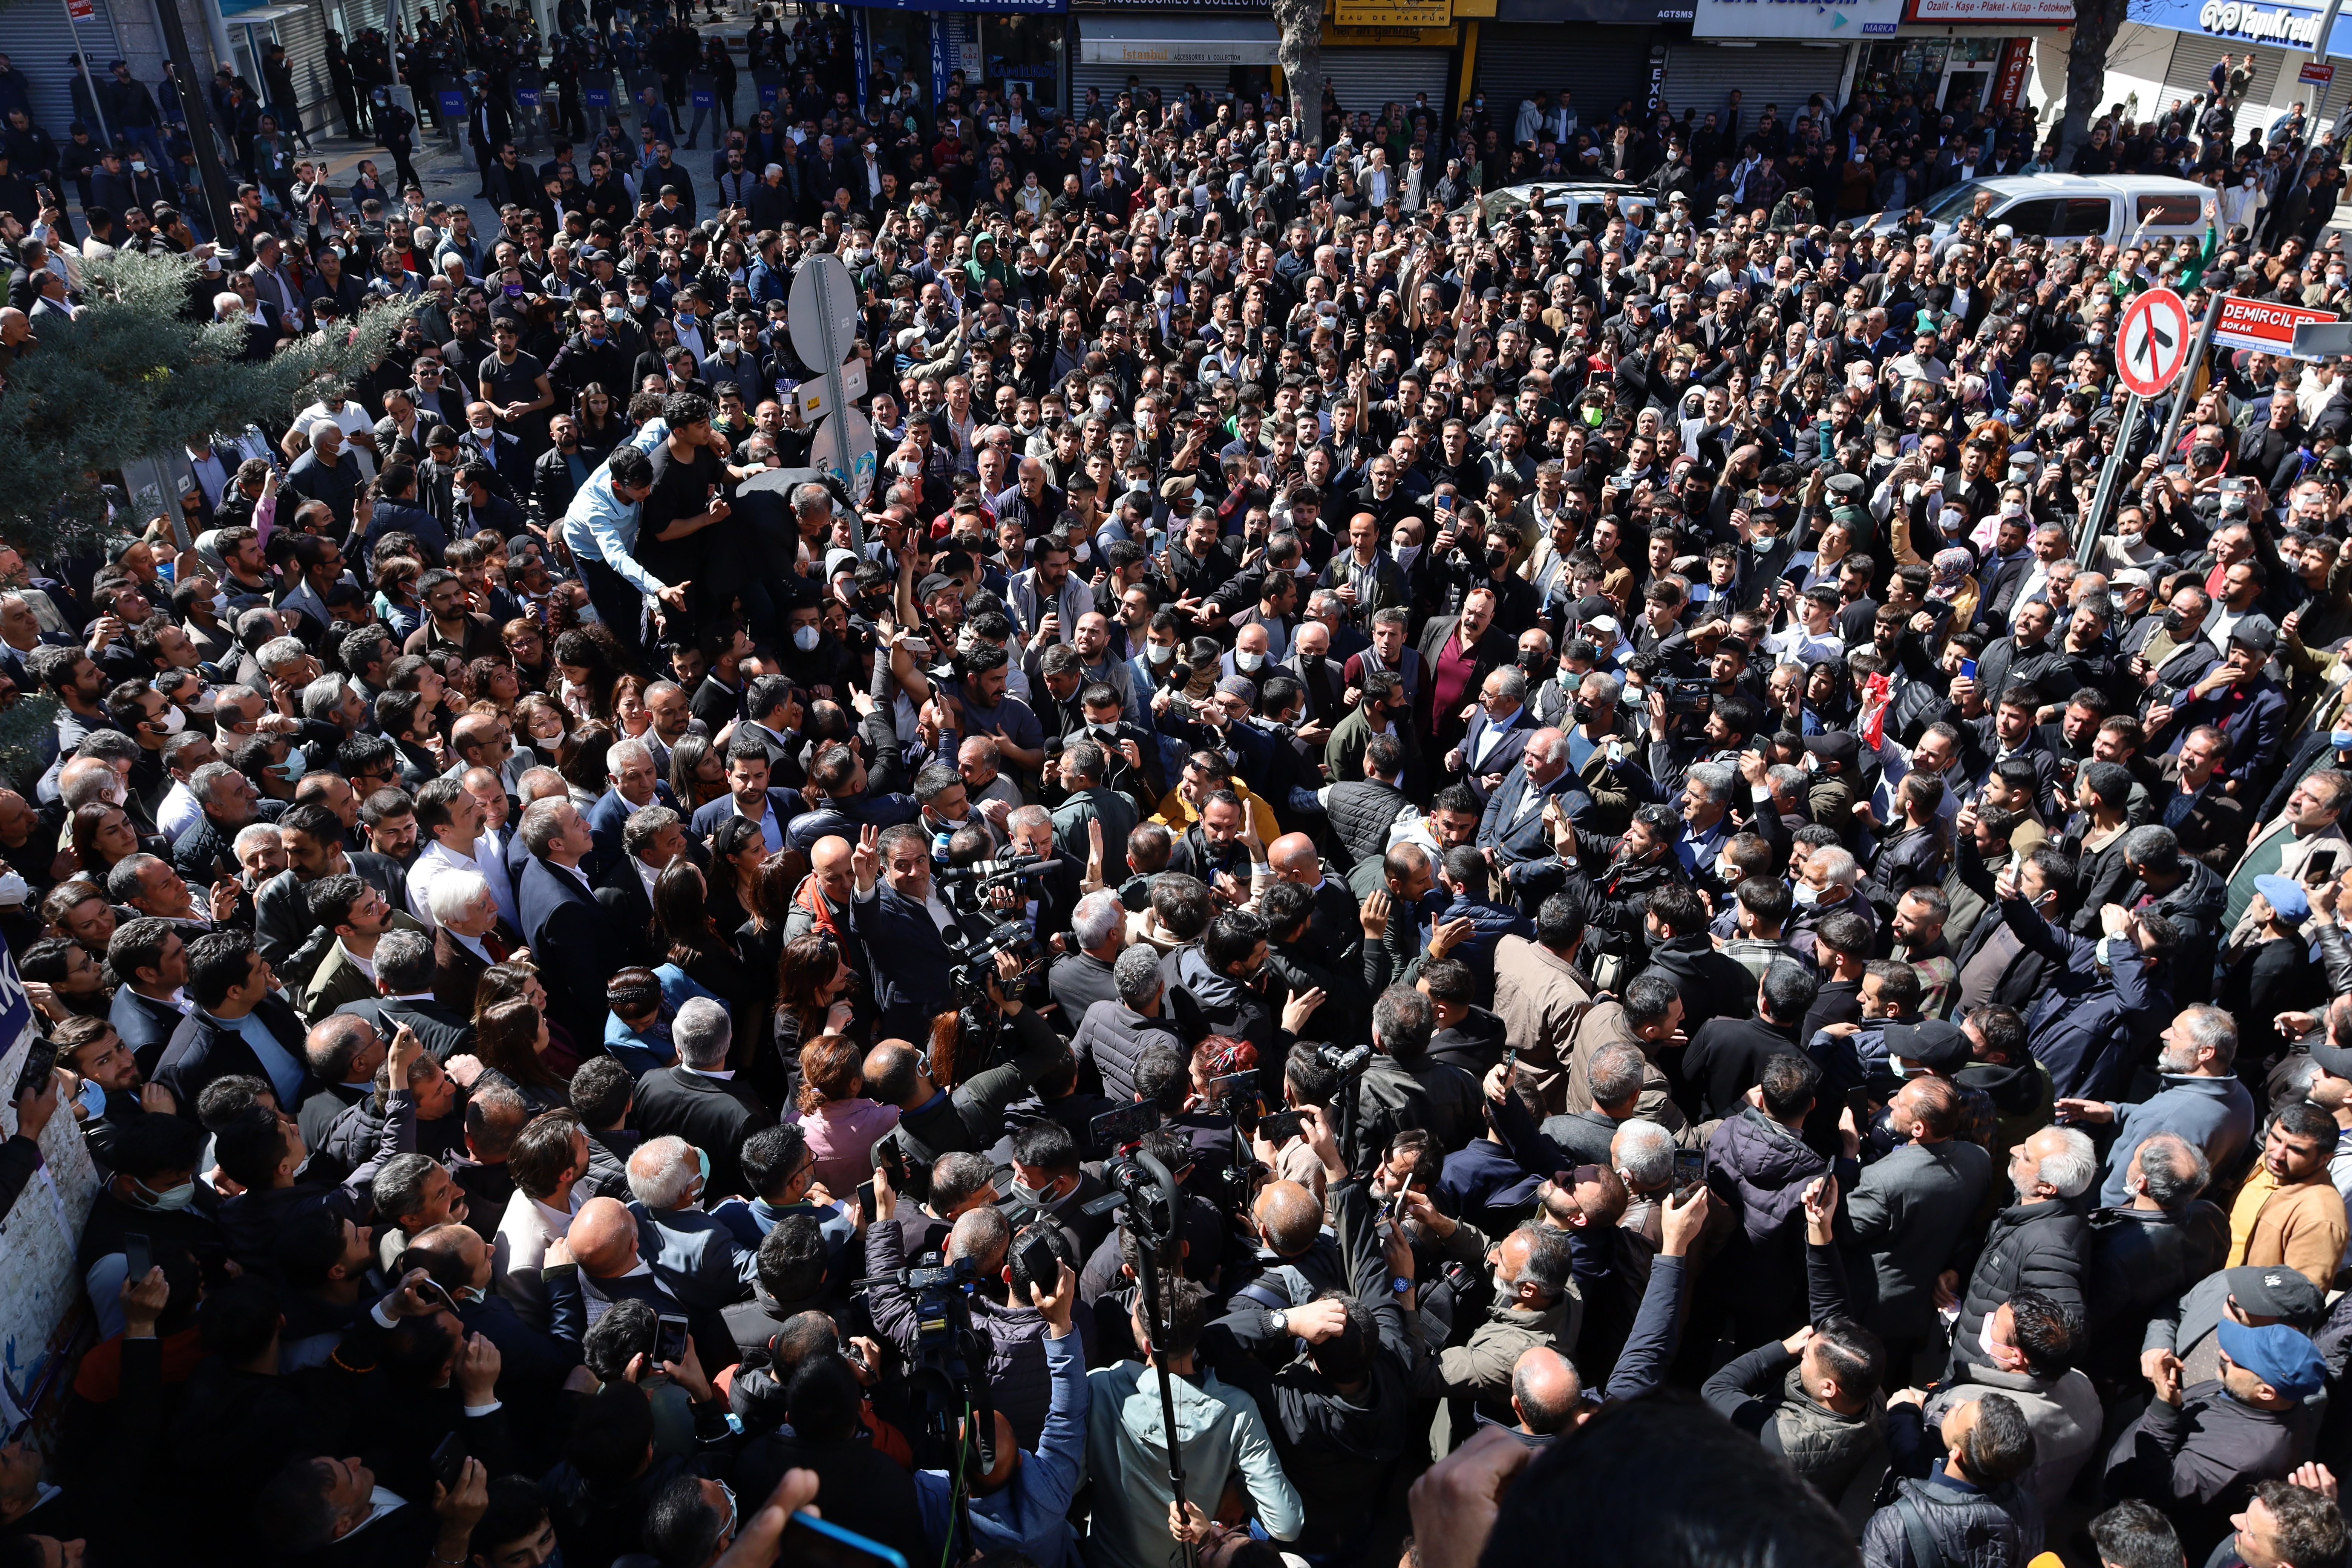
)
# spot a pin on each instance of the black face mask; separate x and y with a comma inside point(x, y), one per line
point(1588, 712)
point(2174, 620)
point(1538, 666)
point(1497, 559)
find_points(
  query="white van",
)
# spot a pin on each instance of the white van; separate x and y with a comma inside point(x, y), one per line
point(2069, 207)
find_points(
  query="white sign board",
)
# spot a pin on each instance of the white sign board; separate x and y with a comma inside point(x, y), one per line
point(823, 304)
point(810, 397)
point(844, 447)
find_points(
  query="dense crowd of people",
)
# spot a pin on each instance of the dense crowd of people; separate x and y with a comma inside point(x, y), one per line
point(1706, 975)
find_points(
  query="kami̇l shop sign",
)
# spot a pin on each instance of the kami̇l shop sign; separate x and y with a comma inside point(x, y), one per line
point(2263, 324)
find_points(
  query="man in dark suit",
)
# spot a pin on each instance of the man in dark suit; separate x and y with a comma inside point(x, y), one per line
point(652, 840)
point(149, 960)
point(239, 1026)
point(287, 932)
point(573, 938)
point(1469, 645)
point(606, 1244)
point(1497, 735)
point(749, 794)
point(635, 785)
point(893, 914)
point(466, 942)
point(699, 1100)
point(405, 974)
point(1512, 833)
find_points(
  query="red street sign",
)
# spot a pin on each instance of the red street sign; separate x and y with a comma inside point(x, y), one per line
point(81, 10)
point(2263, 324)
point(2154, 342)
point(2318, 73)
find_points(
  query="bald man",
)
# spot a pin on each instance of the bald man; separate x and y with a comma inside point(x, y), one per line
point(1300, 1262)
point(343, 1052)
point(1545, 1394)
point(606, 1240)
point(1336, 923)
point(822, 900)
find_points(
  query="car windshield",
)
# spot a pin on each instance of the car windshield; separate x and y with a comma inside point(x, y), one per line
point(1948, 205)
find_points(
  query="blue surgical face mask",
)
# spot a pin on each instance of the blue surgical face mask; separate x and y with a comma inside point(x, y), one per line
point(295, 765)
point(2340, 739)
point(703, 1157)
point(92, 1098)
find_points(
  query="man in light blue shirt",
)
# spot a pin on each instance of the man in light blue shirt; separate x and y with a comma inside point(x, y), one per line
point(601, 526)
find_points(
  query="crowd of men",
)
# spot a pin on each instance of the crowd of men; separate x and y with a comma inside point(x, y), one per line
point(1710, 962)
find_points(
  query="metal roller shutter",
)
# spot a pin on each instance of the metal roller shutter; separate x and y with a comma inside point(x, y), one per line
point(1597, 65)
point(2190, 71)
point(304, 33)
point(1364, 79)
point(1700, 75)
point(39, 40)
point(1152, 47)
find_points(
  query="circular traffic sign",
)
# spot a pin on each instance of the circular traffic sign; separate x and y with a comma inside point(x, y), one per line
point(822, 312)
point(2154, 344)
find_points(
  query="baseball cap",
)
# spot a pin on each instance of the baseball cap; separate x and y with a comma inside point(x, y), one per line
point(2273, 1291)
point(1835, 747)
point(934, 583)
point(2286, 897)
point(1932, 1043)
point(2255, 632)
point(2282, 1357)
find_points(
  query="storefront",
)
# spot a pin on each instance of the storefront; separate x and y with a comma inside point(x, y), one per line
point(2165, 55)
point(1230, 51)
point(41, 36)
point(1960, 55)
point(1600, 57)
point(303, 30)
point(996, 44)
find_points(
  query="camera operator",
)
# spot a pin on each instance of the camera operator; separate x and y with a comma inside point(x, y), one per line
point(1022, 1503)
point(979, 1248)
point(1339, 1410)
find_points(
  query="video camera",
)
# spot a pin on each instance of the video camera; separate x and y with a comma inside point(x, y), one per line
point(948, 1379)
point(1687, 694)
point(1345, 1060)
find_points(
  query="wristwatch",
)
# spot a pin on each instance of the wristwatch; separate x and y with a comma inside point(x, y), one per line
point(1281, 1322)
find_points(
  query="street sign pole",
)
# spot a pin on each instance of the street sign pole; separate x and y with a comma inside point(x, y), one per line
point(2319, 102)
point(823, 323)
point(2110, 475)
point(2196, 352)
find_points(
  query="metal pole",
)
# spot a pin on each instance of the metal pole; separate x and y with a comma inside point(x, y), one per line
point(2196, 352)
point(2110, 475)
point(198, 111)
point(834, 400)
point(2319, 103)
point(106, 137)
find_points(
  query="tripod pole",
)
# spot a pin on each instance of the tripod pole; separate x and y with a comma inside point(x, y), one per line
point(1148, 1255)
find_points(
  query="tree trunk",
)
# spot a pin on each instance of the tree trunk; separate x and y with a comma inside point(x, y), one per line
point(2097, 22)
point(1300, 53)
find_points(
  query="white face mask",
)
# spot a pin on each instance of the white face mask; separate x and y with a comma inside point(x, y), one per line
point(1159, 653)
point(174, 720)
point(805, 638)
point(1807, 895)
point(1252, 662)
